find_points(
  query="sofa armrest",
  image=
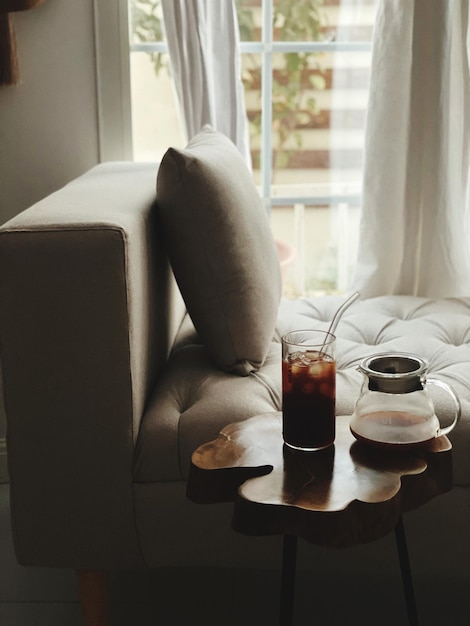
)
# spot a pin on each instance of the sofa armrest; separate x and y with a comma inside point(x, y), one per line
point(88, 313)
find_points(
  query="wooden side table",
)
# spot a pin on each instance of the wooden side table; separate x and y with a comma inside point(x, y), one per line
point(342, 496)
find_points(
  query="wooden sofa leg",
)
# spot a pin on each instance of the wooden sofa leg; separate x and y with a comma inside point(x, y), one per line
point(93, 591)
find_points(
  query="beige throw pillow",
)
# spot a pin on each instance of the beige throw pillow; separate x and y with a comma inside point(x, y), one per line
point(221, 249)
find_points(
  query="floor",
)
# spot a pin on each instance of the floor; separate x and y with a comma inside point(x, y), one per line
point(212, 597)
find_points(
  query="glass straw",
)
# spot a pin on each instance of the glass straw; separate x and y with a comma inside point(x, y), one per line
point(341, 310)
point(337, 316)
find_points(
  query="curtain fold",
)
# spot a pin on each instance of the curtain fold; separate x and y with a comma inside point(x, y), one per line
point(203, 40)
point(414, 233)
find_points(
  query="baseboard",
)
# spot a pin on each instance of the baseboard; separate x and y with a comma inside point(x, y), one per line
point(3, 461)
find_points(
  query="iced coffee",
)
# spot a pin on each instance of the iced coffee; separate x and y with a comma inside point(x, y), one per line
point(308, 389)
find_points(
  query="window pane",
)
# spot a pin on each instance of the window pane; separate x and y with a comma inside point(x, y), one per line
point(319, 107)
point(298, 114)
point(249, 19)
point(156, 122)
point(324, 239)
point(146, 21)
point(323, 20)
point(305, 20)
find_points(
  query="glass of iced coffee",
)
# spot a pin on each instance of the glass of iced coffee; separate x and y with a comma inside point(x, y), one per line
point(308, 389)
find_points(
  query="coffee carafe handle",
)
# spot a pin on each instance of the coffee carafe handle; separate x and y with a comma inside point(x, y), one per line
point(458, 409)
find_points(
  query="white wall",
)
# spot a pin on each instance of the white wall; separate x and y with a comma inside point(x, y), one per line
point(49, 123)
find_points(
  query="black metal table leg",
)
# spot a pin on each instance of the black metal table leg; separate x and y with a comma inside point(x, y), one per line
point(405, 569)
point(289, 558)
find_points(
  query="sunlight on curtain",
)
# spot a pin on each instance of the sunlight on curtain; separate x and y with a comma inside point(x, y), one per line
point(414, 236)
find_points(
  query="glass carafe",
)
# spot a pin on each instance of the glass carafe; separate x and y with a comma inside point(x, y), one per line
point(394, 406)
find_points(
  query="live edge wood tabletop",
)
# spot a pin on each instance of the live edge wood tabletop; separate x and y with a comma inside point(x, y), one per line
point(276, 490)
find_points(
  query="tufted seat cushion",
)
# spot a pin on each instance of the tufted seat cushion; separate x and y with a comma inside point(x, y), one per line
point(194, 401)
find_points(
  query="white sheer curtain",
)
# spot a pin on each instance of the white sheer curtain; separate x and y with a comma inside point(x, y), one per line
point(414, 236)
point(205, 61)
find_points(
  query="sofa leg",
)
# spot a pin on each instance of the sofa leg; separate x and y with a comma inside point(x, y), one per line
point(93, 591)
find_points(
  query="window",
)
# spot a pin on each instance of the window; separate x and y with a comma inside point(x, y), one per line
point(306, 73)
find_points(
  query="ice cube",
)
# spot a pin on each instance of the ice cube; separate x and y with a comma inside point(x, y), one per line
point(298, 369)
point(316, 369)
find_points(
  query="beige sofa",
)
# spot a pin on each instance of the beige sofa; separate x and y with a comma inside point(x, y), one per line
point(102, 421)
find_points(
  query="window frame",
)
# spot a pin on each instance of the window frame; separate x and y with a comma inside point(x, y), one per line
point(114, 89)
point(113, 86)
point(114, 104)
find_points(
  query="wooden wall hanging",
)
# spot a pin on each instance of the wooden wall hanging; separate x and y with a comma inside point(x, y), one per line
point(9, 72)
